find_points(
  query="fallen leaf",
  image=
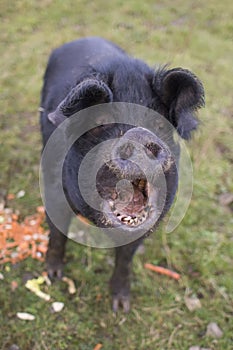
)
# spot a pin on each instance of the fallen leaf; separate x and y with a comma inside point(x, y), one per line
point(98, 346)
point(34, 286)
point(103, 324)
point(192, 303)
point(213, 330)
point(46, 278)
point(13, 347)
point(25, 316)
point(57, 306)
point(225, 199)
point(71, 285)
point(20, 194)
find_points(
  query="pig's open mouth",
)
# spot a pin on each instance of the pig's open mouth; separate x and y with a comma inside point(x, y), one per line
point(130, 207)
point(127, 202)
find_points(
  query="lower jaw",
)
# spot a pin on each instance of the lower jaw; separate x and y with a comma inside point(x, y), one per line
point(146, 219)
point(132, 220)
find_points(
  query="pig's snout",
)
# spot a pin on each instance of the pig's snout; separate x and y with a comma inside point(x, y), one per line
point(127, 149)
point(133, 182)
point(139, 149)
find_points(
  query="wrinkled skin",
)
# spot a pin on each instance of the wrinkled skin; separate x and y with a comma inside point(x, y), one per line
point(93, 71)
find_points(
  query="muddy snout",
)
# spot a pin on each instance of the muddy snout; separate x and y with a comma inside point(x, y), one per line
point(139, 152)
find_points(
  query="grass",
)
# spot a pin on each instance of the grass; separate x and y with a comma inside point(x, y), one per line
point(196, 35)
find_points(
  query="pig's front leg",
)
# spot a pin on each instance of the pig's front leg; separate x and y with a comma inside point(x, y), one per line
point(120, 280)
point(56, 250)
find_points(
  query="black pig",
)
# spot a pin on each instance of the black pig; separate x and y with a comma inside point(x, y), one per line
point(94, 71)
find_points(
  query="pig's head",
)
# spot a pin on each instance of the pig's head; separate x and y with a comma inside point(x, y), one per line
point(131, 182)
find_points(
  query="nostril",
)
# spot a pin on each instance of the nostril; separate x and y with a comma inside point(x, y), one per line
point(152, 149)
point(126, 150)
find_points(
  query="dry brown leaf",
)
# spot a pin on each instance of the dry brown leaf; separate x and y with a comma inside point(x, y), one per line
point(192, 303)
point(71, 285)
point(213, 330)
point(225, 199)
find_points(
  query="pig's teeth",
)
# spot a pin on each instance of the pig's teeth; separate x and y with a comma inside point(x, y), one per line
point(120, 217)
point(132, 220)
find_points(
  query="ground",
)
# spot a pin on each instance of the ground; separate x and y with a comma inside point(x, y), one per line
point(196, 35)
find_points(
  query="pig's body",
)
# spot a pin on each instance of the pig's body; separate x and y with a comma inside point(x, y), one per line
point(92, 71)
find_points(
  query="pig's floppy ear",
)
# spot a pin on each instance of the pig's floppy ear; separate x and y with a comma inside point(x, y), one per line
point(182, 93)
point(87, 93)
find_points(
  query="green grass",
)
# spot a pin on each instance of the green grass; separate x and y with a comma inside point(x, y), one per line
point(196, 35)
